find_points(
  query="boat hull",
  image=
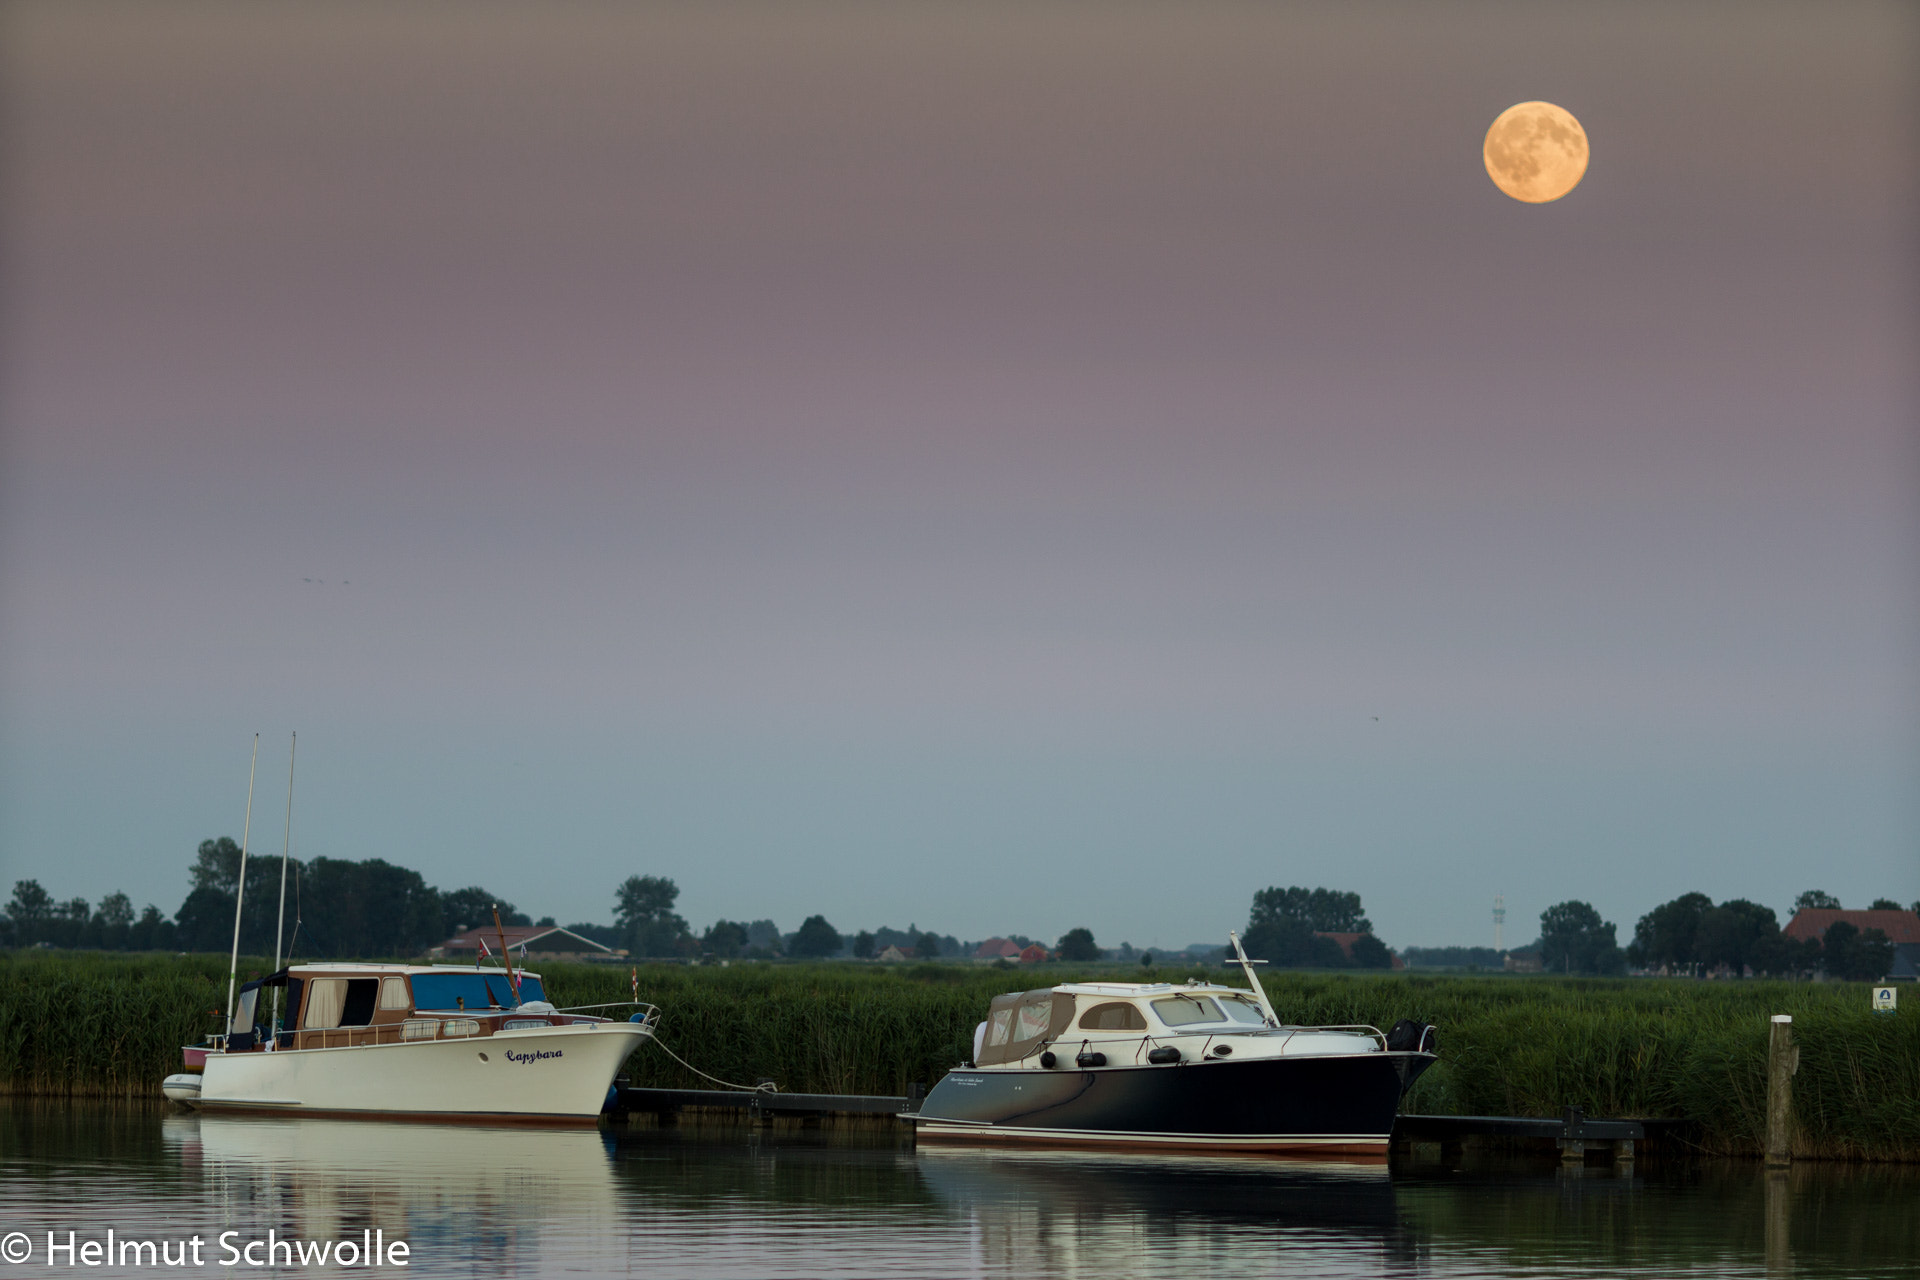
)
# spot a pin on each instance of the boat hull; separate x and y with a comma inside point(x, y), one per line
point(1329, 1104)
point(551, 1074)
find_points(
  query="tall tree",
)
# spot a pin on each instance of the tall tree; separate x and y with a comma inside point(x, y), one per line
point(472, 908)
point(863, 945)
point(1574, 939)
point(206, 917)
point(29, 901)
point(725, 938)
point(1371, 953)
point(1816, 900)
point(367, 909)
point(1853, 954)
point(1282, 924)
point(816, 939)
point(763, 936)
point(1665, 936)
point(1732, 934)
point(643, 908)
point(1078, 945)
point(1322, 910)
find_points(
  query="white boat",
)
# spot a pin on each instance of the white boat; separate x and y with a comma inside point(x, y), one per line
point(439, 1041)
point(1198, 1067)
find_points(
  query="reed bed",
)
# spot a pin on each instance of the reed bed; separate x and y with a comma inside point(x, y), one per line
point(91, 1024)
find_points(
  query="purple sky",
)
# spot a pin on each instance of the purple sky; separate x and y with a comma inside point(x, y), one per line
point(997, 467)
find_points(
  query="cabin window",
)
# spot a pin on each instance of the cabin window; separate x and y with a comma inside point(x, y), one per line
point(1033, 1021)
point(1184, 1011)
point(1002, 1021)
point(323, 1003)
point(393, 994)
point(1241, 1009)
point(1115, 1015)
point(419, 1028)
point(459, 1027)
point(357, 1010)
point(341, 1002)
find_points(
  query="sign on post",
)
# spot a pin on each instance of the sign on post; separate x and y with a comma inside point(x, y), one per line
point(1883, 999)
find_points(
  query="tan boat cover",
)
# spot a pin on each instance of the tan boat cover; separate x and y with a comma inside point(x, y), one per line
point(1021, 1022)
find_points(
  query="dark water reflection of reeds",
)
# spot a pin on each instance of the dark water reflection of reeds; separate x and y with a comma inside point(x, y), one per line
point(859, 1201)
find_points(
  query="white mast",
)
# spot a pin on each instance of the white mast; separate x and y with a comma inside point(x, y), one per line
point(280, 921)
point(240, 889)
point(1259, 992)
point(1499, 921)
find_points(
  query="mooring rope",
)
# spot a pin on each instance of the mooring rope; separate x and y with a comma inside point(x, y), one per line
point(768, 1087)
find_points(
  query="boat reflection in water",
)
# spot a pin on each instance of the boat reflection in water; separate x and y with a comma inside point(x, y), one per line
point(450, 1191)
point(1119, 1212)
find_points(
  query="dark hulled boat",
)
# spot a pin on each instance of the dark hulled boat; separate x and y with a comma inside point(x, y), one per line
point(1196, 1067)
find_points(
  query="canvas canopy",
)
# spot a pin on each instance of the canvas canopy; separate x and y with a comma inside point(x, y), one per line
point(1020, 1022)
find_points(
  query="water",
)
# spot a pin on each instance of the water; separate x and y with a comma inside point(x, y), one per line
point(862, 1202)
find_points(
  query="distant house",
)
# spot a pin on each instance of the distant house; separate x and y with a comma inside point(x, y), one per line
point(1524, 962)
point(1901, 927)
point(997, 949)
point(1346, 941)
point(892, 955)
point(1034, 954)
point(533, 941)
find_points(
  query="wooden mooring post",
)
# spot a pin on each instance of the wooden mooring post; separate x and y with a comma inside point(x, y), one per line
point(1783, 1059)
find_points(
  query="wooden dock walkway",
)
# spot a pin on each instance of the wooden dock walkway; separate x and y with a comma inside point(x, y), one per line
point(1573, 1132)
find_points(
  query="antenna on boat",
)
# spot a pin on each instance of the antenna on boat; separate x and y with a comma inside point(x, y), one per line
point(505, 954)
point(1259, 992)
point(280, 921)
point(240, 888)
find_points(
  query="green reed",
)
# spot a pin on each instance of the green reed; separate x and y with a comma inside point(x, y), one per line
point(92, 1024)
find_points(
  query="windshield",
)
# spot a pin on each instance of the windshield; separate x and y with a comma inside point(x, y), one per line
point(243, 1012)
point(1184, 1011)
point(1241, 1009)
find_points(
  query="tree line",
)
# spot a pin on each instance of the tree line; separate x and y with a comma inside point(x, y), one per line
point(336, 909)
point(1690, 935)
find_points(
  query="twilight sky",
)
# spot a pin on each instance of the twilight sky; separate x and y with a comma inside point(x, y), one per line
point(1000, 467)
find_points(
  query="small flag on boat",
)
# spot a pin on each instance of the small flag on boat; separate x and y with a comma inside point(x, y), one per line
point(485, 954)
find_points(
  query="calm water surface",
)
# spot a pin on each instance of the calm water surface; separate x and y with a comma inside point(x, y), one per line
point(732, 1201)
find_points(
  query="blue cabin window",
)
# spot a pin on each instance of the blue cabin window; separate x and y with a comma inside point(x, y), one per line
point(473, 992)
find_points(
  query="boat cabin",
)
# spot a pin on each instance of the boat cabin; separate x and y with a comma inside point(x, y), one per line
point(329, 1006)
point(1019, 1023)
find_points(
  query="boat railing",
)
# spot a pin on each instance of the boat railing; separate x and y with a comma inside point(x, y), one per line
point(1368, 1028)
point(413, 1030)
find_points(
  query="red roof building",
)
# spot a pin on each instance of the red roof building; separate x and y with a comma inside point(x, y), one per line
point(997, 949)
point(1033, 954)
point(1813, 922)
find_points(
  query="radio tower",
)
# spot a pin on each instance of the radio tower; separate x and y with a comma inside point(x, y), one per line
point(1499, 921)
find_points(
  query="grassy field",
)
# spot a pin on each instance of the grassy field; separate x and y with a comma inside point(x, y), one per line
point(93, 1024)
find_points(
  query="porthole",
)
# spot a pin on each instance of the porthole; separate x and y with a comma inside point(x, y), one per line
point(484, 1058)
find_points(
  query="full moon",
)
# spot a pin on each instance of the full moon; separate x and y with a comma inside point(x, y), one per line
point(1536, 152)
